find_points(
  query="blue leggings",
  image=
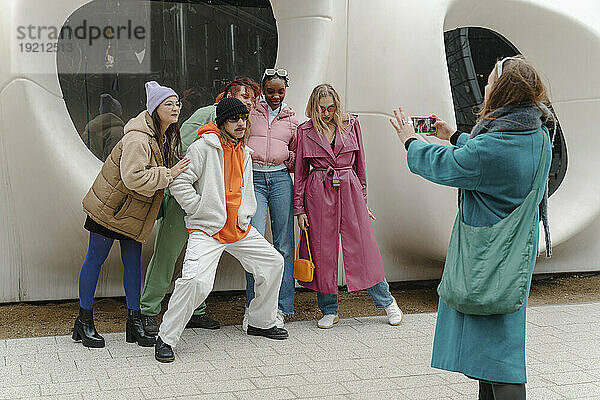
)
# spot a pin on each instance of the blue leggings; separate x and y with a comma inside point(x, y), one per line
point(131, 255)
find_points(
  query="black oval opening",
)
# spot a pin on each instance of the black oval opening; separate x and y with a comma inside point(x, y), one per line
point(195, 46)
point(471, 53)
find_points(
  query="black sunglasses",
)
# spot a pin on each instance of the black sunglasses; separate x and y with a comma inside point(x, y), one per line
point(236, 118)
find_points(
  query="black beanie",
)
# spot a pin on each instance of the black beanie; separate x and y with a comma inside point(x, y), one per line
point(228, 107)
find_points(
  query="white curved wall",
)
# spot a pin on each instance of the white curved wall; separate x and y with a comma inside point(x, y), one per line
point(379, 55)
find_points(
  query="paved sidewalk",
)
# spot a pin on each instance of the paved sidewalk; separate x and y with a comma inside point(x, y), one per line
point(360, 358)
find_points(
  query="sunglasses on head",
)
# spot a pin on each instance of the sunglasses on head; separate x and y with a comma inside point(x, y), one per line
point(500, 63)
point(272, 72)
point(236, 118)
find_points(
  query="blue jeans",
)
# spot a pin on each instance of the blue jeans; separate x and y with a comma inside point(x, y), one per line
point(380, 293)
point(275, 190)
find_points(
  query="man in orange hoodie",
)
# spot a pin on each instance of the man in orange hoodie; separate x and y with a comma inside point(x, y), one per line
point(217, 194)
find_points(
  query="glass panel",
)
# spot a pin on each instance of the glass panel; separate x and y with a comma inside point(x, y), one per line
point(195, 47)
point(471, 54)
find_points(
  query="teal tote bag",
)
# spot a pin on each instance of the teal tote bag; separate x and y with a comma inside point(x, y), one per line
point(487, 267)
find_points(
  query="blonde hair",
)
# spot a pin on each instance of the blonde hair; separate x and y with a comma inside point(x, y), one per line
point(519, 83)
point(313, 112)
point(226, 137)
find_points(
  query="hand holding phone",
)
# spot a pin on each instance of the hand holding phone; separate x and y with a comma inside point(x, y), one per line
point(424, 125)
point(444, 131)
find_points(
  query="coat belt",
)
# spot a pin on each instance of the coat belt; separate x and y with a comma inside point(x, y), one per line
point(333, 174)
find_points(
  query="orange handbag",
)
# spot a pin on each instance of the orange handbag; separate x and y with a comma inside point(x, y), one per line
point(304, 269)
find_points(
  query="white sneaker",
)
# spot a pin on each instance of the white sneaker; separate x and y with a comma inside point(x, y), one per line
point(279, 319)
point(245, 320)
point(328, 320)
point(394, 313)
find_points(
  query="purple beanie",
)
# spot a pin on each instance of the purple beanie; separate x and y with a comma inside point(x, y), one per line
point(156, 94)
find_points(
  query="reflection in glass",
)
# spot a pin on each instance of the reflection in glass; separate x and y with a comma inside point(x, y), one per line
point(195, 47)
point(103, 132)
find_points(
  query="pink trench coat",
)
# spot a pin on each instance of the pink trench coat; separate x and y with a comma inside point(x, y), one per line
point(330, 187)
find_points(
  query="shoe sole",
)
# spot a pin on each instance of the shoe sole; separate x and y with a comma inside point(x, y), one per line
point(275, 337)
point(212, 327)
point(164, 360)
point(335, 321)
point(77, 337)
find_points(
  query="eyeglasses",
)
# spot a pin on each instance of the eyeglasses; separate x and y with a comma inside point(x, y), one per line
point(500, 63)
point(236, 118)
point(330, 109)
point(171, 105)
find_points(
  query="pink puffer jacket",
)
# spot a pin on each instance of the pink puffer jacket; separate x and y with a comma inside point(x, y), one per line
point(276, 143)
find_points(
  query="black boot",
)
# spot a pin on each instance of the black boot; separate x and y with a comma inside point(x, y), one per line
point(149, 324)
point(271, 333)
point(163, 352)
point(134, 330)
point(202, 321)
point(85, 331)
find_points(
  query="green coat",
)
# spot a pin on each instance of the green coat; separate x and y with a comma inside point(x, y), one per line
point(496, 171)
point(189, 129)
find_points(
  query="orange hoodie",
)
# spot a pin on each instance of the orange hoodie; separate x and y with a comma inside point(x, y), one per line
point(233, 157)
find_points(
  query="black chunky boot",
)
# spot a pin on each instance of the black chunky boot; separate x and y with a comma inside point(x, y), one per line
point(163, 352)
point(85, 331)
point(134, 330)
point(150, 325)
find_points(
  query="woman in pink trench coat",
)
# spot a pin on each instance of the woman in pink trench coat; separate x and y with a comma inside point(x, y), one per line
point(330, 199)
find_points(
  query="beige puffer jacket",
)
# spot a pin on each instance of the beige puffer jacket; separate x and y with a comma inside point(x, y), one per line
point(126, 195)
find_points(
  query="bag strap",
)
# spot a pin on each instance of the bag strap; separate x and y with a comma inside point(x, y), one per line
point(307, 244)
point(538, 175)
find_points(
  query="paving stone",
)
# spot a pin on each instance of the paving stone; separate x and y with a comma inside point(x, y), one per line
point(394, 394)
point(276, 359)
point(370, 385)
point(161, 392)
point(429, 392)
point(70, 387)
point(336, 365)
point(325, 389)
point(285, 369)
point(281, 381)
point(333, 376)
point(578, 391)
point(569, 378)
point(133, 371)
point(20, 392)
point(361, 358)
point(421, 381)
point(226, 386)
point(211, 396)
point(126, 382)
point(273, 393)
point(121, 394)
point(58, 377)
point(33, 359)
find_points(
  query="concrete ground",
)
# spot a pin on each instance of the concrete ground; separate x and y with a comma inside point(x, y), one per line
point(360, 358)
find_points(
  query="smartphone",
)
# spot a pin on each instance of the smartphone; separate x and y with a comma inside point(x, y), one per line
point(424, 125)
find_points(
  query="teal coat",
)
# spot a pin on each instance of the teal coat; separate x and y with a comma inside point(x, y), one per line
point(496, 171)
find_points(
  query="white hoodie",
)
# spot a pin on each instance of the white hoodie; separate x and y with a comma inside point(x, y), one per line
point(200, 190)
